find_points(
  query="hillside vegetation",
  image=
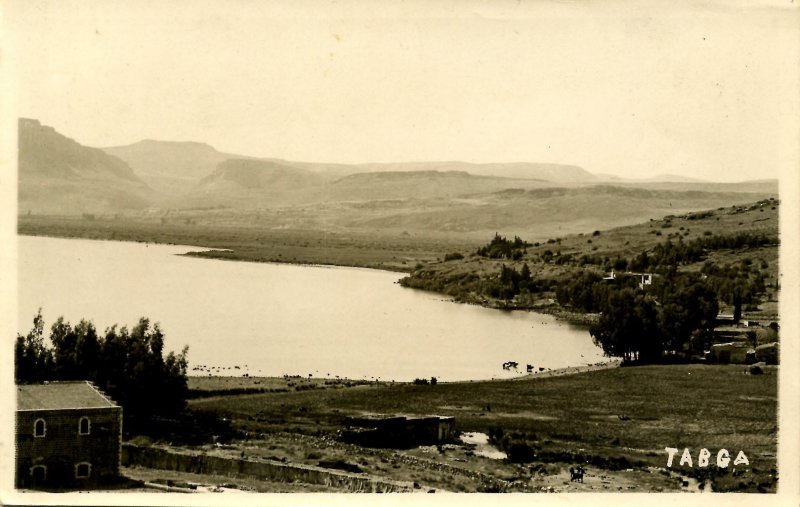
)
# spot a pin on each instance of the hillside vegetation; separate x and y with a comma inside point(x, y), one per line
point(719, 244)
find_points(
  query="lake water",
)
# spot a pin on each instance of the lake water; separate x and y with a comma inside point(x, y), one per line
point(275, 319)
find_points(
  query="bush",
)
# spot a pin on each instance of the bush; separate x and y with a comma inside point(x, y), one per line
point(453, 256)
point(520, 452)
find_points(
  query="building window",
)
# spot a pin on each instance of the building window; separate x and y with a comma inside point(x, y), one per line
point(83, 470)
point(39, 474)
point(39, 428)
point(84, 426)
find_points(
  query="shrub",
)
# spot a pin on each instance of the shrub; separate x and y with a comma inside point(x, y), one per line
point(453, 256)
point(520, 452)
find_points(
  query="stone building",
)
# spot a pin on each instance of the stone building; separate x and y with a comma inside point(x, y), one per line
point(398, 431)
point(68, 434)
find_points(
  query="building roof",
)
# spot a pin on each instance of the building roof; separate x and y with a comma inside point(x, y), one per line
point(61, 396)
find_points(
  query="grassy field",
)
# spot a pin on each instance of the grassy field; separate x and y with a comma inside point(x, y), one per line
point(250, 242)
point(616, 418)
point(204, 387)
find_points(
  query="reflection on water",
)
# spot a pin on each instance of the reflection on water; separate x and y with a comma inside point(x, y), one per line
point(285, 319)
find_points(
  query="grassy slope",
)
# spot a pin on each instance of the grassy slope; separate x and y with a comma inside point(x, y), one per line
point(566, 418)
point(446, 277)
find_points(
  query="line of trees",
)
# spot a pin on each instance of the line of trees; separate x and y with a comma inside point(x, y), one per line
point(676, 319)
point(128, 364)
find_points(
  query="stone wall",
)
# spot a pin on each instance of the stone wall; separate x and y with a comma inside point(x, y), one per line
point(163, 459)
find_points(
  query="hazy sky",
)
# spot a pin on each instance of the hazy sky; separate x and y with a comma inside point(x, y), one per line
point(706, 90)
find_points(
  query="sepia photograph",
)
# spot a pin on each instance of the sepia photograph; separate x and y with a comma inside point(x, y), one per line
point(432, 250)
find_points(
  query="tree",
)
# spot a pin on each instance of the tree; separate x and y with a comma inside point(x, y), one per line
point(634, 327)
point(584, 292)
point(525, 274)
point(501, 247)
point(128, 365)
point(688, 311)
point(737, 304)
point(32, 359)
point(87, 348)
point(640, 263)
point(64, 342)
point(627, 326)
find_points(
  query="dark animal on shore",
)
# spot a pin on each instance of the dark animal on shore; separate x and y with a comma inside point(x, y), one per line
point(510, 364)
point(529, 368)
point(576, 474)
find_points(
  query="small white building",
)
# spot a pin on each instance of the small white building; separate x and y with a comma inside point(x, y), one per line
point(644, 278)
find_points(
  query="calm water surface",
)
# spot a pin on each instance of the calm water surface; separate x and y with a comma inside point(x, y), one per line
point(284, 319)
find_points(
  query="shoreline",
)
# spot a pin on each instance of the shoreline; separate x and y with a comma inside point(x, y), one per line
point(269, 383)
point(210, 251)
point(228, 254)
point(573, 370)
point(207, 254)
point(116, 240)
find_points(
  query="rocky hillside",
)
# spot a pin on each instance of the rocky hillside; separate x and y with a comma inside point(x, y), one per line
point(59, 175)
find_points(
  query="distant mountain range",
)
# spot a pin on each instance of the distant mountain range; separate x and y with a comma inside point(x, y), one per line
point(670, 178)
point(175, 166)
point(169, 167)
point(59, 175)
